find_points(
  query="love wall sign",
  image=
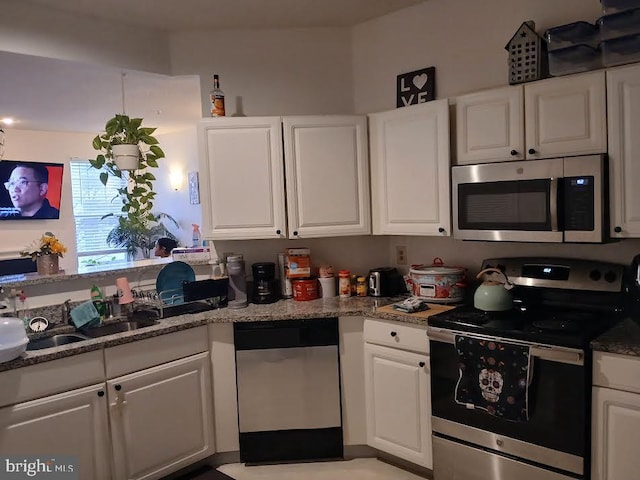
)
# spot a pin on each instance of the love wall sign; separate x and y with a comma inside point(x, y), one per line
point(416, 87)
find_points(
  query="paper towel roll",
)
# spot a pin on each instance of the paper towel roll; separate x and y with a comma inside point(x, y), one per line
point(124, 291)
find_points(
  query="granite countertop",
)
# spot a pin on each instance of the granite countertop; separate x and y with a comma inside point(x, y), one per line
point(623, 338)
point(281, 310)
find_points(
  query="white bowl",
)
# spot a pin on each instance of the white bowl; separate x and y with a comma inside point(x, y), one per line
point(13, 338)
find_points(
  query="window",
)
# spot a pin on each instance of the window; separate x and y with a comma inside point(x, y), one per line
point(91, 201)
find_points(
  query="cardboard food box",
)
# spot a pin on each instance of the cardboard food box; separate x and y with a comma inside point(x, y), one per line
point(298, 262)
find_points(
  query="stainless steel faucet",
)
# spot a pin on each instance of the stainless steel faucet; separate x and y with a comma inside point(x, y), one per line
point(66, 312)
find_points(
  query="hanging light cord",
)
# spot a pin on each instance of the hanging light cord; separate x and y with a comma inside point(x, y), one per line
point(122, 81)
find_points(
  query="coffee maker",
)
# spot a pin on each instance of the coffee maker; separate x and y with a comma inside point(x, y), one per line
point(265, 286)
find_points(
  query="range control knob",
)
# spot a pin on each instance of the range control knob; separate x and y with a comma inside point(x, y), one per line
point(610, 276)
point(595, 275)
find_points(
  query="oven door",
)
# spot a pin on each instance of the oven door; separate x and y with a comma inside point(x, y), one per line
point(555, 437)
point(513, 201)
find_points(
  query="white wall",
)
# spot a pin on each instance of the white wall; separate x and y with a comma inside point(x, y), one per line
point(181, 154)
point(46, 32)
point(271, 72)
point(463, 39)
point(57, 147)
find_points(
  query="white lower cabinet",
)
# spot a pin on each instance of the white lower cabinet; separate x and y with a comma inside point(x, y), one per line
point(161, 418)
point(398, 393)
point(70, 424)
point(616, 417)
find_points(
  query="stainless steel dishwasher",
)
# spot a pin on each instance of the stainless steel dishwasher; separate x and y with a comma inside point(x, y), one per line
point(288, 377)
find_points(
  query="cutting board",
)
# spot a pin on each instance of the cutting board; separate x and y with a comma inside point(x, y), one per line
point(433, 309)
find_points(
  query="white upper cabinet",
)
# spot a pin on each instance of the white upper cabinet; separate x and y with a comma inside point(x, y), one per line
point(242, 176)
point(327, 171)
point(623, 91)
point(555, 117)
point(489, 126)
point(410, 174)
point(566, 116)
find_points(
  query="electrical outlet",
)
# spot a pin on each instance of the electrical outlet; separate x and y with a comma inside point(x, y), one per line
point(401, 255)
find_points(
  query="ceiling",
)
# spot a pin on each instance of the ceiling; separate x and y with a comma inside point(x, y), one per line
point(172, 15)
point(79, 97)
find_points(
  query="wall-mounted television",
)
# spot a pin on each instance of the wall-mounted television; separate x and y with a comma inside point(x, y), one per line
point(30, 190)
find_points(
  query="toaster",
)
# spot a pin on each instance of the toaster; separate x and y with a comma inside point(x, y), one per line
point(386, 282)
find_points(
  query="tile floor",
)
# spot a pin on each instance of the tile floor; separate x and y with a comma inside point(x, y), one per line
point(355, 469)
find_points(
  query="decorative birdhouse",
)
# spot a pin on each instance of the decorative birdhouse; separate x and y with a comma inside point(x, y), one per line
point(527, 55)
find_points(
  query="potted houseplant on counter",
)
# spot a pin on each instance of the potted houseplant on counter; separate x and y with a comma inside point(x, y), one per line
point(137, 226)
point(45, 252)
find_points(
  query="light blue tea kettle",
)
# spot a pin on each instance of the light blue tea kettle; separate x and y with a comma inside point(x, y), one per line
point(492, 295)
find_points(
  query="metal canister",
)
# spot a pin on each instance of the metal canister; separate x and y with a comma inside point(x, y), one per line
point(286, 288)
point(305, 289)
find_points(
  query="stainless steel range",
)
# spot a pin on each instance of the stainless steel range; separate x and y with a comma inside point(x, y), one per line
point(511, 390)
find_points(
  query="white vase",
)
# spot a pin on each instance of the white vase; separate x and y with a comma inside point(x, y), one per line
point(126, 156)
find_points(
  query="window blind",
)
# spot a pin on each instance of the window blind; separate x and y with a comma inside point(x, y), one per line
point(91, 201)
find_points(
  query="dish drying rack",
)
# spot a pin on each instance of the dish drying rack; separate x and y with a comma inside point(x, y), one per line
point(170, 303)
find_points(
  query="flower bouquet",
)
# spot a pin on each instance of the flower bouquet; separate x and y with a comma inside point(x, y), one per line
point(46, 251)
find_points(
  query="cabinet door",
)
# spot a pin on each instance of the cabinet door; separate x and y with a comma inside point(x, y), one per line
point(398, 399)
point(161, 418)
point(623, 91)
point(71, 424)
point(566, 116)
point(410, 170)
point(242, 178)
point(616, 434)
point(327, 171)
point(490, 126)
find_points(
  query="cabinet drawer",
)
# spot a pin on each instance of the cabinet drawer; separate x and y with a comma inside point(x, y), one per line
point(135, 356)
point(398, 335)
point(621, 372)
point(48, 378)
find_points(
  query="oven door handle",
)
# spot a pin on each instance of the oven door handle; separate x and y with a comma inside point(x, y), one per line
point(545, 352)
point(553, 203)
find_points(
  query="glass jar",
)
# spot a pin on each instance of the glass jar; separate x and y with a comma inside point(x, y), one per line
point(361, 287)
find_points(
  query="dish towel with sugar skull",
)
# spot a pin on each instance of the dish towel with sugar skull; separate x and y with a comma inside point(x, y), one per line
point(494, 376)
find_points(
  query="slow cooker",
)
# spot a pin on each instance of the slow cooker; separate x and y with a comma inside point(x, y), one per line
point(438, 283)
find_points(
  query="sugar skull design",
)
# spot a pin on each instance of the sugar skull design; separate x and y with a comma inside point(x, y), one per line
point(491, 383)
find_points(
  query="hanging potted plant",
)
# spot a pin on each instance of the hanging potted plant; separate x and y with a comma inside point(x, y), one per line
point(127, 145)
point(137, 219)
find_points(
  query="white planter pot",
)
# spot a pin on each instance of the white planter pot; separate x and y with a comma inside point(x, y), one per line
point(126, 156)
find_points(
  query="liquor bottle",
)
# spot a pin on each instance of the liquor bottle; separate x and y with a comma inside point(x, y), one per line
point(217, 98)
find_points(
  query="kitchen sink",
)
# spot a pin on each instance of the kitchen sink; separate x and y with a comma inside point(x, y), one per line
point(120, 327)
point(55, 341)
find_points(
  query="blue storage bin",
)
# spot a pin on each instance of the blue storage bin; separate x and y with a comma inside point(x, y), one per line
point(619, 24)
point(572, 34)
point(579, 58)
point(618, 51)
point(615, 6)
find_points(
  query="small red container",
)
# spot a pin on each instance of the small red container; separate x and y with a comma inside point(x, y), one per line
point(305, 289)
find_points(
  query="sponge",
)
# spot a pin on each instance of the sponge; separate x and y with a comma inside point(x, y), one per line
point(85, 315)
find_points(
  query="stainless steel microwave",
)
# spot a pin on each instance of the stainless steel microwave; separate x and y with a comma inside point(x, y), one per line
point(550, 200)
